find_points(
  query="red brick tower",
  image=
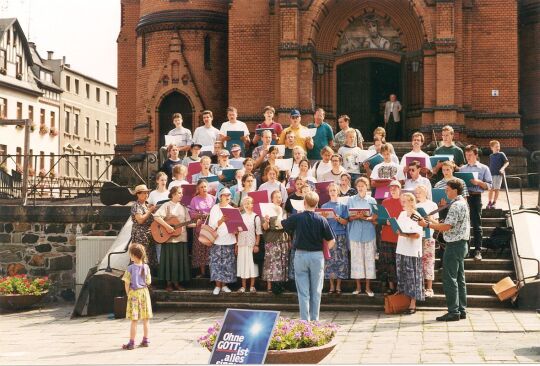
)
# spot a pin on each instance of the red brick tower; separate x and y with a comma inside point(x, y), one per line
point(172, 57)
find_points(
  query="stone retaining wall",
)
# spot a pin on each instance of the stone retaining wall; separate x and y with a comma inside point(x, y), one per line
point(40, 241)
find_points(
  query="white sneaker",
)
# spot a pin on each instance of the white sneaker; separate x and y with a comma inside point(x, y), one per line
point(216, 291)
point(252, 290)
point(478, 255)
point(428, 293)
point(226, 289)
point(242, 290)
point(370, 293)
point(356, 292)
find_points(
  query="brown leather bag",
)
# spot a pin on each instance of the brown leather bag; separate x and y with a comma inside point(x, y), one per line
point(396, 303)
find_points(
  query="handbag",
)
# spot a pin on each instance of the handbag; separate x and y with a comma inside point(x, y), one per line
point(396, 303)
point(207, 235)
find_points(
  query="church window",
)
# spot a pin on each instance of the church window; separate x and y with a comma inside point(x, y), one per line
point(207, 56)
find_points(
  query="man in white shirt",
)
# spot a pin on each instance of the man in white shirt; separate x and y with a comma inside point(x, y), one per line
point(206, 135)
point(417, 142)
point(234, 125)
point(416, 179)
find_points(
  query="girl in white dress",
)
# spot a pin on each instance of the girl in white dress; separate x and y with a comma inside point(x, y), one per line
point(248, 243)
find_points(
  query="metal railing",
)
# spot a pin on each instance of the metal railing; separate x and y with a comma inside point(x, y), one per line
point(64, 178)
point(515, 246)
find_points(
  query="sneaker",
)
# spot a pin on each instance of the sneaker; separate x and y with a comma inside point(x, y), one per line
point(252, 290)
point(241, 290)
point(216, 291)
point(448, 318)
point(428, 293)
point(478, 256)
point(493, 206)
point(129, 346)
point(356, 292)
point(226, 289)
point(370, 293)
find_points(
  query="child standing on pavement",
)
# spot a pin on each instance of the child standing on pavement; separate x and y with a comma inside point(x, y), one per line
point(137, 279)
point(497, 164)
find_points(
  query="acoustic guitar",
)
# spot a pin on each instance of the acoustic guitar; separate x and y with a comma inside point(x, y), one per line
point(161, 235)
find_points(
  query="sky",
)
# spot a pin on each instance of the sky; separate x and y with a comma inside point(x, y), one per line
point(84, 31)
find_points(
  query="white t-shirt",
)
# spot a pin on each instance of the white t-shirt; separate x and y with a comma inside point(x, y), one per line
point(416, 154)
point(421, 181)
point(387, 171)
point(271, 187)
point(429, 206)
point(350, 155)
point(329, 176)
point(319, 169)
point(223, 236)
point(237, 126)
point(409, 246)
point(205, 136)
point(156, 196)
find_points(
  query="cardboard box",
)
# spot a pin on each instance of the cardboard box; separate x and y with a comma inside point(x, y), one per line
point(505, 289)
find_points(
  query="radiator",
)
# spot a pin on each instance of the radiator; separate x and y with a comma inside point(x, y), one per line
point(89, 251)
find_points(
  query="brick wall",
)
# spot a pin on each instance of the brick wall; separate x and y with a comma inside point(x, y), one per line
point(40, 241)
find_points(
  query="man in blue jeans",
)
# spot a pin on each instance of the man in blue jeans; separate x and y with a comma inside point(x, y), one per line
point(310, 229)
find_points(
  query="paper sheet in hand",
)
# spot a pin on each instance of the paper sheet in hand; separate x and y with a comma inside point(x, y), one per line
point(268, 209)
point(438, 194)
point(174, 140)
point(363, 155)
point(234, 221)
point(467, 176)
point(237, 164)
point(188, 191)
point(436, 158)
point(308, 132)
point(258, 198)
point(281, 150)
point(298, 205)
point(284, 164)
point(322, 191)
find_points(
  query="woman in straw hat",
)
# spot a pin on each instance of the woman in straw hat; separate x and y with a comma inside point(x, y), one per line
point(141, 215)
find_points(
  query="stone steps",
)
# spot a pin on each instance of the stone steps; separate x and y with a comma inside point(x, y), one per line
point(289, 301)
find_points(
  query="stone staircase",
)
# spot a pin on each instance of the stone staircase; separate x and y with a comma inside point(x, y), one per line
point(480, 276)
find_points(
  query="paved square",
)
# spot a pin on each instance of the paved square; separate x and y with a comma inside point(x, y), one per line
point(49, 337)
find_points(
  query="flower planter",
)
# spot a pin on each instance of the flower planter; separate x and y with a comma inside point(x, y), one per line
point(19, 302)
point(310, 355)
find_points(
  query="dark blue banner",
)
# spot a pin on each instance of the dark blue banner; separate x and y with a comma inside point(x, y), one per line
point(244, 337)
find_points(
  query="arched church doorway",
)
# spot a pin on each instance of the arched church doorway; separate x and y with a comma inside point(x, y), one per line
point(175, 102)
point(363, 87)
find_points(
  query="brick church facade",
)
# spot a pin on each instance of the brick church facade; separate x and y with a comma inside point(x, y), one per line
point(449, 62)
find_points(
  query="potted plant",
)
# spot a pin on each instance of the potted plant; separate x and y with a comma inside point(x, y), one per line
point(43, 130)
point(53, 131)
point(32, 127)
point(293, 341)
point(21, 291)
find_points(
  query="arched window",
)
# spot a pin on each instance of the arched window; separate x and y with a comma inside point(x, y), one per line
point(175, 72)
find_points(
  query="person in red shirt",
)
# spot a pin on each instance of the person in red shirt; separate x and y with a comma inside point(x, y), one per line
point(269, 122)
point(387, 251)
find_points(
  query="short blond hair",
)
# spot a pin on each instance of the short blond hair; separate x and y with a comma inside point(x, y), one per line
point(418, 134)
point(409, 197)
point(311, 199)
point(379, 131)
point(179, 169)
point(493, 143)
point(245, 200)
point(448, 128)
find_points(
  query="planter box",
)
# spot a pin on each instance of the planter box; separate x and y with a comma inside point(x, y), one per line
point(19, 302)
point(310, 355)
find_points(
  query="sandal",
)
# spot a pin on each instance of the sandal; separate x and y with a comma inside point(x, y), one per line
point(331, 291)
point(338, 292)
point(144, 343)
point(409, 311)
point(242, 290)
point(129, 346)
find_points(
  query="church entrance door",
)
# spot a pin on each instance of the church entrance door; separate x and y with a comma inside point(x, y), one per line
point(173, 103)
point(363, 87)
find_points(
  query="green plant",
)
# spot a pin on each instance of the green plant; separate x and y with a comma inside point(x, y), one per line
point(288, 334)
point(23, 285)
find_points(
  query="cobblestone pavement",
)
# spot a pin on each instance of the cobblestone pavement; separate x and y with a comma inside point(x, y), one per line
point(49, 337)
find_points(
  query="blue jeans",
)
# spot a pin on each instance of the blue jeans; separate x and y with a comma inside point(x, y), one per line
point(309, 278)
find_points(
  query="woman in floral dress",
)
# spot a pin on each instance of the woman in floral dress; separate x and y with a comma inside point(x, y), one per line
point(276, 256)
point(141, 215)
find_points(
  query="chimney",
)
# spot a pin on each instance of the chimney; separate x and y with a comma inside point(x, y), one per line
point(50, 55)
point(63, 60)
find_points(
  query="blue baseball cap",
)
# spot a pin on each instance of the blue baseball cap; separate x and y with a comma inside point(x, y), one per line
point(295, 113)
